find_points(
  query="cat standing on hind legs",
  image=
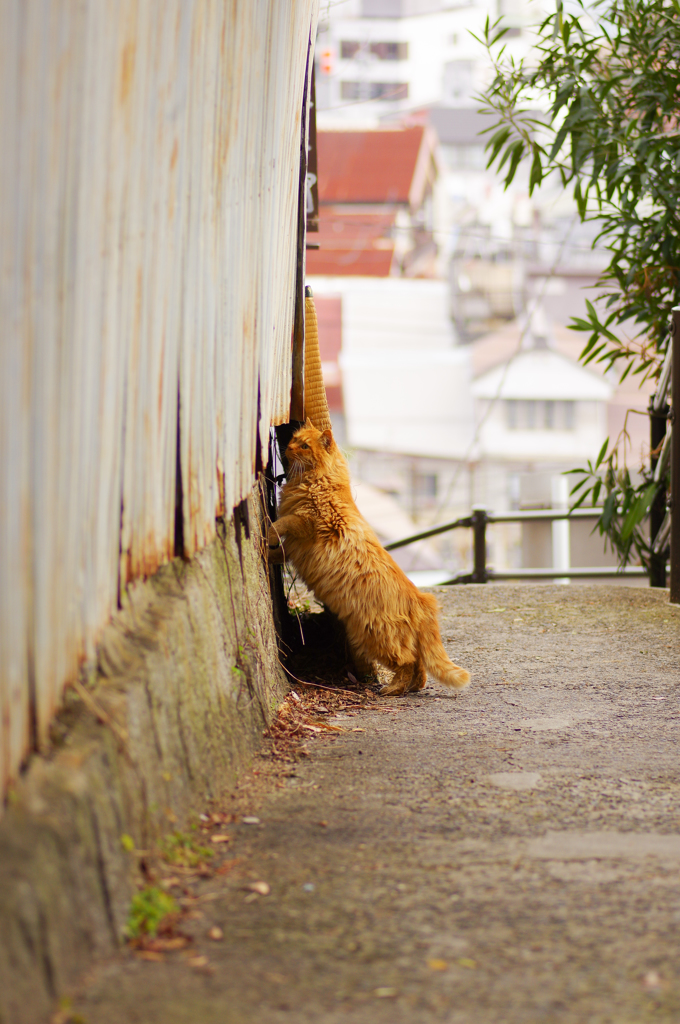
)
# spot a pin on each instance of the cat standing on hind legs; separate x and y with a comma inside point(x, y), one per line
point(387, 619)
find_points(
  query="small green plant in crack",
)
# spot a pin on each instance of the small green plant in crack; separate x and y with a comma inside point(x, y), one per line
point(66, 1014)
point(184, 850)
point(147, 910)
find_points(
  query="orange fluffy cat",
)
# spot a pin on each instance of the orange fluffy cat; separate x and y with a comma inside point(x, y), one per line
point(387, 619)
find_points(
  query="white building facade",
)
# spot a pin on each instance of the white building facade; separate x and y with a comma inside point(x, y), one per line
point(380, 58)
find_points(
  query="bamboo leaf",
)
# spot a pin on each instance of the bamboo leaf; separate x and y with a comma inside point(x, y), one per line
point(536, 175)
point(602, 452)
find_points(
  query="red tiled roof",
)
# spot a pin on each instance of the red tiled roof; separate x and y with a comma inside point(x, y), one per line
point(357, 244)
point(361, 263)
point(329, 316)
point(368, 166)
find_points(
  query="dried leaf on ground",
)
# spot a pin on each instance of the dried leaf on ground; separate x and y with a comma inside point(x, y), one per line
point(198, 961)
point(167, 945)
point(262, 888)
point(228, 866)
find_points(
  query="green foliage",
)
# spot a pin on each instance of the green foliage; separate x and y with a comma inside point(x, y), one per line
point(127, 842)
point(609, 75)
point(626, 505)
point(66, 1014)
point(611, 78)
point(182, 849)
point(147, 910)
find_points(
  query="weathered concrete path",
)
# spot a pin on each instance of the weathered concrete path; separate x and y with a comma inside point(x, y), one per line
point(507, 856)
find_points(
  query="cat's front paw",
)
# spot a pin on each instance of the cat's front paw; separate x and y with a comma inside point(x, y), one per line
point(273, 539)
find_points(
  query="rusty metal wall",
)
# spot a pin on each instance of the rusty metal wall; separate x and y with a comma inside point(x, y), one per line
point(148, 202)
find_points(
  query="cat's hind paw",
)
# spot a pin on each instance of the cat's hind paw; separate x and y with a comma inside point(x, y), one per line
point(401, 682)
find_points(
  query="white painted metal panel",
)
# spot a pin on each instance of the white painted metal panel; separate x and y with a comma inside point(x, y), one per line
point(148, 202)
point(14, 445)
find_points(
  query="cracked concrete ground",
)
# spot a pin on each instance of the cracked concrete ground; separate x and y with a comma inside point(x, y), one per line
point(509, 855)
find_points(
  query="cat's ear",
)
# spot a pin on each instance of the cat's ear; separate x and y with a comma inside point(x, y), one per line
point(308, 422)
point(326, 438)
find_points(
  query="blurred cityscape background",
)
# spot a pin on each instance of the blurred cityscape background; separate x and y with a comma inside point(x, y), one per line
point(443, 299)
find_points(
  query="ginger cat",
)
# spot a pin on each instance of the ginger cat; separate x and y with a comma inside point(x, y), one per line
point(387, 619)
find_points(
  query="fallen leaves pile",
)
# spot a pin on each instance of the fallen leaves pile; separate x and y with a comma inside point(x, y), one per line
point(300, 717)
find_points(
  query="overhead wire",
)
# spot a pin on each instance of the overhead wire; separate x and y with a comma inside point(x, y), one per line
point(357, 222)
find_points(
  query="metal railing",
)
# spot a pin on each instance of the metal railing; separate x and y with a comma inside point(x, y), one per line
point(482, 573)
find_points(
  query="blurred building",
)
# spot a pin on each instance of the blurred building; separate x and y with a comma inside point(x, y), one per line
point(406, 385)
point(375, 203)
point(465, 388)
point(384, 58)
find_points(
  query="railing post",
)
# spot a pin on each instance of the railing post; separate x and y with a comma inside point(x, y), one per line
point(674, 503)
point(479, 521)
point(657, 513)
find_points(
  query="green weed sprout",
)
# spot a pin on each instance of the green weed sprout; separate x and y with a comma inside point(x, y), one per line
point(147, 910)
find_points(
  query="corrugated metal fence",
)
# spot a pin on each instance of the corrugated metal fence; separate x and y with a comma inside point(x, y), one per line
point(149, 171)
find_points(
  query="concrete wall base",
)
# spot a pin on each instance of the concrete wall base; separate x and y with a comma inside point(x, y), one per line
point(187, 678)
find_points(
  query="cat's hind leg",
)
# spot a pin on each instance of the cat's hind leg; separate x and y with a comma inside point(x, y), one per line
point(401, 682)
point(419, 679)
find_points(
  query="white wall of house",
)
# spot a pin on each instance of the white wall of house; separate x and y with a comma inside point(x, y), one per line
point(406, 385)
point(414, 402)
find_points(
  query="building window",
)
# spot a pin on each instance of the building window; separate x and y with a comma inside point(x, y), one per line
point(374, 90)
point(569, 410)
point(426, 485)
point(543, 414)
point(390, 51)
point(349, 49)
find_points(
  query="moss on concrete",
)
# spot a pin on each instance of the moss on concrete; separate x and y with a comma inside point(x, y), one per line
point(187, 676)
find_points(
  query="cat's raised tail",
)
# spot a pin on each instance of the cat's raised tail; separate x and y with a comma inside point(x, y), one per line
point(432, 653)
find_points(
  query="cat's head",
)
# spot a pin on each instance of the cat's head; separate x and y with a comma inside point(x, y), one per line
point(310, 448)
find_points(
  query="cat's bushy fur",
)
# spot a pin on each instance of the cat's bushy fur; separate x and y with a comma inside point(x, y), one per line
point(387, 619)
